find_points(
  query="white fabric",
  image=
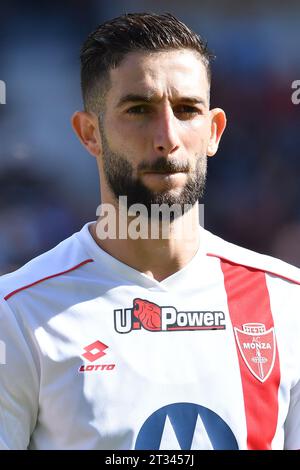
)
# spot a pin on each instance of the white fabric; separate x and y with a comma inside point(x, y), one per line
point(169, 389)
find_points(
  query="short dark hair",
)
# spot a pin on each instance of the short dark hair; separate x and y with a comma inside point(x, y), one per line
point(105, 48)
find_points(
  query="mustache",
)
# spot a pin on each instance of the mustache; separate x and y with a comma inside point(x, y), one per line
point(161, 165)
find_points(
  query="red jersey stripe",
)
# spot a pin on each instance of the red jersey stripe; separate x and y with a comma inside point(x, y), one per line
point(249, 302)
point(46, 278)
point(274, 273)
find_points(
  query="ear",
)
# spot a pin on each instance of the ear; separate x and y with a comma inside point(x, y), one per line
point(218, 124)
point(85, 126)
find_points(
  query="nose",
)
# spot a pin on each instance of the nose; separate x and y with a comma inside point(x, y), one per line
point(166, 139)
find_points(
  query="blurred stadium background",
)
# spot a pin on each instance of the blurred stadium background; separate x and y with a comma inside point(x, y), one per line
point(49, 184)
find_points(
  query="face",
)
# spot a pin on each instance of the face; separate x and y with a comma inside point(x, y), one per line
point(157, 128)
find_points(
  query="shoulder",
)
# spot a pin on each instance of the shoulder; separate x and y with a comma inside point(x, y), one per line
point(230, 253)
point(67, 256)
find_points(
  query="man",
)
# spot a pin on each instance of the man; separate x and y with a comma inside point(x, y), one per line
point(174, 341)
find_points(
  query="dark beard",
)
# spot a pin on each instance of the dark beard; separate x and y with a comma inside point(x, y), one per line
point(118, 173)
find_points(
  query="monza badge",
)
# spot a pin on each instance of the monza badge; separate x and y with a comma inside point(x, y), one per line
point(257, 347)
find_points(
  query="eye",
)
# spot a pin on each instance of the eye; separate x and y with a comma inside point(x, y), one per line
point(138, 109)
point(187, 110)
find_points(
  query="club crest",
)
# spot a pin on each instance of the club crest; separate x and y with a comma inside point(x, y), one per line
point(257, 347)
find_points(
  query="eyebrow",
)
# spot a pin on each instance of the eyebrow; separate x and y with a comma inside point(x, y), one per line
point(151, 98)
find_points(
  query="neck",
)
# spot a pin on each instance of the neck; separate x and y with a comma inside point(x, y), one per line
point(156, 249)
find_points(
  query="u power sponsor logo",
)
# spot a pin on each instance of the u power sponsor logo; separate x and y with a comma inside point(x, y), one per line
point(93, 352)
point(152, 317)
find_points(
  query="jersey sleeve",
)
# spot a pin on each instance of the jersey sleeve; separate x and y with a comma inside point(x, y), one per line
point(292, 423)
point(19, 389)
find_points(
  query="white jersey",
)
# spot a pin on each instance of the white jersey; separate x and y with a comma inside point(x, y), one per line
point(96, 355)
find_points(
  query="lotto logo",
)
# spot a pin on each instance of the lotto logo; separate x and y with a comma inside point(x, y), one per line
point(93, 352)
point(99, 349)
point(95, 367)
